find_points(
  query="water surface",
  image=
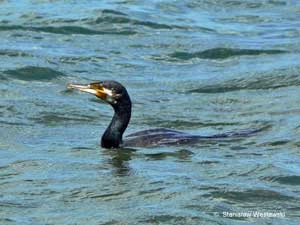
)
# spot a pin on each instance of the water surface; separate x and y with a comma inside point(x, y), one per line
point(202, 67)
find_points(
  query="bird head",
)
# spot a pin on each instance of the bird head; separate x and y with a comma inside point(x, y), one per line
point(111, 92)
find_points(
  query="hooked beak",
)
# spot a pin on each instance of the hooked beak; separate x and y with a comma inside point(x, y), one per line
point(97, 90)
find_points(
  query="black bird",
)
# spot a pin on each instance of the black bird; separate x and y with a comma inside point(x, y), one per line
point(117, 96)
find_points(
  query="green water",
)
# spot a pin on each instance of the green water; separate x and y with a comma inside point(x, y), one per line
point(202, 67)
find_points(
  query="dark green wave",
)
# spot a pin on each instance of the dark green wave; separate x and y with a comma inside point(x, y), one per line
point(223, 53)
point(14, 53)
point(125, 20)
point(267, 81)
point(69, 30)
point(33, 73)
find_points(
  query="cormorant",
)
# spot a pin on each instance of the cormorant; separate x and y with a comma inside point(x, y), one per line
point(117, 96)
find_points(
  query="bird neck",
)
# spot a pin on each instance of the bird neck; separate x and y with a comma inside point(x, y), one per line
point(112, 137)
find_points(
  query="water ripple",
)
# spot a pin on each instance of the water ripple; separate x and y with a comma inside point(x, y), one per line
point(254, 195)
point(69, 30)
point(262, 82)
point(133, 22)
point(34, 73)
point(17, 205)
point(222, 53)
point(47, 118)
point(289, 180)
point(229, 4)
point(182, 155)
point(14, 53)
point(172, 219)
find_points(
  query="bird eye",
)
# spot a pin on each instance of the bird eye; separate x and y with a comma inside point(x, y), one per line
point(116, 94)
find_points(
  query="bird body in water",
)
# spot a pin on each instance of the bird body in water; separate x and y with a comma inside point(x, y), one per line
point(117, 96)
